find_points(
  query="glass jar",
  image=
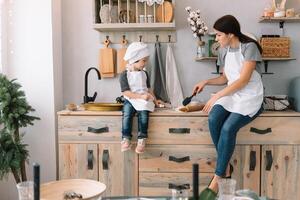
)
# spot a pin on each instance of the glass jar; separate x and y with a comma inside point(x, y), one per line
point(142, 18)
point(201, 49)
point(150, 18)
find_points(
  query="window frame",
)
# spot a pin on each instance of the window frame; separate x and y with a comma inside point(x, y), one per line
point(3, 36)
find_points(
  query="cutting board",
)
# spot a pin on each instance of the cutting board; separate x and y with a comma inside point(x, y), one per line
point(121, 63)
point(107, 60)
point(164, 13)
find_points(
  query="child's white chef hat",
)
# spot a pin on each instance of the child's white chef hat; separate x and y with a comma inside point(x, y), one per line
point(136, 51)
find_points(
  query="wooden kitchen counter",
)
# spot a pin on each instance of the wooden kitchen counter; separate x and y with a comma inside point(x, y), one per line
point(266, 158)
point(170, 112)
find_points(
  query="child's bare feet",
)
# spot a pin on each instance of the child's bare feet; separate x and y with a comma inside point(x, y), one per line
point(140, 147)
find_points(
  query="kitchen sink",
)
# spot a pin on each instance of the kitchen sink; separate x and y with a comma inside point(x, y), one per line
point(102, 106)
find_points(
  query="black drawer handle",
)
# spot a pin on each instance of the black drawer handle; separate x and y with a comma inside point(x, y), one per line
point(259, 131)
point(252, 160)
point(105, 159)
point(98, 130)
point(90, 159)
point(179, 160)
point(179, 187)
point(179, 130)
point(269, 159)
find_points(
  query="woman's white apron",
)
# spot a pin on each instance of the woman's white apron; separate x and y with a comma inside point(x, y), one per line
point(248, 100)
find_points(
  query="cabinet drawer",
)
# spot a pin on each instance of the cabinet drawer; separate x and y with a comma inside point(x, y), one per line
point(177, 158)
point(271, 130)
point(178, 130)
point(89, 128)
point(160, 184)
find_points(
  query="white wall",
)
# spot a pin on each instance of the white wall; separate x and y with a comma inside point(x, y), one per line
point(81, 44)
point(36, 63)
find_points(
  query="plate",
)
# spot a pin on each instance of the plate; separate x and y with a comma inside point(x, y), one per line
point(164, 13)
point(105, 14)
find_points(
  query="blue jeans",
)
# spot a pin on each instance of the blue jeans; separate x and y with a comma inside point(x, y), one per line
point(128, 114)
point(223, 126)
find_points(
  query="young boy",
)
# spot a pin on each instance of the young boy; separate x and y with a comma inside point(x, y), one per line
point(135, 87)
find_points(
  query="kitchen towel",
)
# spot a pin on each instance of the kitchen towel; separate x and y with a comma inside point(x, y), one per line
point(173, 85)
point(158, 75)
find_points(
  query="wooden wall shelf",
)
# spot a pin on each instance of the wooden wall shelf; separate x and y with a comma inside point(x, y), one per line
point(279, 19)
point(265, 59)
point(134, 24)
point(121, 27)
point(206, 59)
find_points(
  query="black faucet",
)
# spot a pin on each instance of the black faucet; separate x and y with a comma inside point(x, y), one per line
point(86, 98)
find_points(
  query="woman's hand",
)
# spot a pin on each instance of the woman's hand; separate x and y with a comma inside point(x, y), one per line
point(208, 106)
point(199, 87)
point(158, 103)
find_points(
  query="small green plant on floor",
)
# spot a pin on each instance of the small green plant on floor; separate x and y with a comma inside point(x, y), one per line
point(14, 114)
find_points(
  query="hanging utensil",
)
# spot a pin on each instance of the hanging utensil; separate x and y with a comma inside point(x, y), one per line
point(120, 55)
point(107, 60)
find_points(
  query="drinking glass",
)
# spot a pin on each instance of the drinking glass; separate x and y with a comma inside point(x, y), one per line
point(25, 190)
point(178, 194)
point(226, 189)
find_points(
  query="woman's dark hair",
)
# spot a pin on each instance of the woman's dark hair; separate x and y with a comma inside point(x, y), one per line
point(229, 24)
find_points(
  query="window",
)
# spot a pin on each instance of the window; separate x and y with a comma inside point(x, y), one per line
point(1, 30)
point(2, 35)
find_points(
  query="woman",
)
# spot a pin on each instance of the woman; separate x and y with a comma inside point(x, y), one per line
point(241, 100)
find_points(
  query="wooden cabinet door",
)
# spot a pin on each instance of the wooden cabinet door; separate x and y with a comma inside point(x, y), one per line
point(246, 164)
point(78, 161)
point(161, 184)
point(281, 171)
point(118, 170)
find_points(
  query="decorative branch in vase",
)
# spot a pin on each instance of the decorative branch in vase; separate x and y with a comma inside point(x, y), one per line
point(199, 29)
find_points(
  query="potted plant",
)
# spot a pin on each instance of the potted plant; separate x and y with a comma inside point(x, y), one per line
point(14, 114)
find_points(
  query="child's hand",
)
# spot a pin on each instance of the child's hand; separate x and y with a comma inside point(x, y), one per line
point(146, 96)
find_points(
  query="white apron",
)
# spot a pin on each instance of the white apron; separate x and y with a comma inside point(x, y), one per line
point(248, 100)
point(137, 81)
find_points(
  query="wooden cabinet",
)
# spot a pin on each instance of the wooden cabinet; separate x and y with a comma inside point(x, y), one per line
point(246, 167)
point(78, 161)
point(280, 177)
point(117, 170)
point(163, 167)
point(266, 158)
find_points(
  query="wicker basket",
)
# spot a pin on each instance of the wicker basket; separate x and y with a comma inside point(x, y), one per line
point(275, 47)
